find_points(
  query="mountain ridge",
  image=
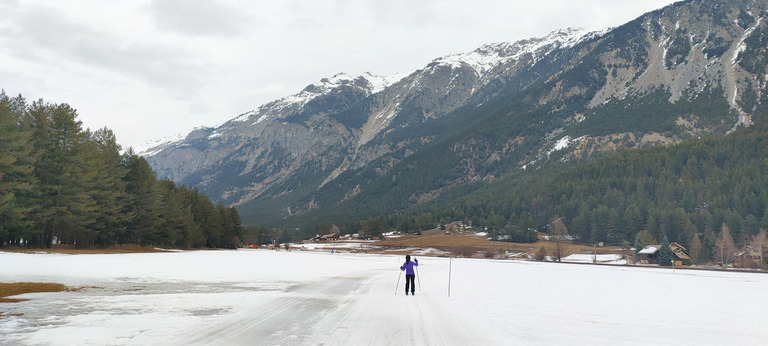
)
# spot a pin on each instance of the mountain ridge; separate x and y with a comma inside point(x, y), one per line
point(691, 68)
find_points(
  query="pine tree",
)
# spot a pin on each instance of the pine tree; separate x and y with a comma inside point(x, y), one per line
point(638, 245)
point(210, 221)
point(665, 253)
point(231, 225)
point(62, 202)
point(16, 177)
point(143, 201)
point(176, 219)
point(108, 189)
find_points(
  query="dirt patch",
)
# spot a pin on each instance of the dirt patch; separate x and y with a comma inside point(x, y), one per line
point(108, 250)
point(16, 288)
point(464, 244)
point(469, 244)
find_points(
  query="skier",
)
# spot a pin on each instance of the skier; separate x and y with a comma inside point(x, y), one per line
point(409, 274)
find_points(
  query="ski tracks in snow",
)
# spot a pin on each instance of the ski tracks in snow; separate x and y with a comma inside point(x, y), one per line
point(373, 315)
point(359, 309)
point(284, 320)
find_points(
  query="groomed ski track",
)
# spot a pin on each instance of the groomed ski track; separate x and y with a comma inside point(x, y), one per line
point(323, 313)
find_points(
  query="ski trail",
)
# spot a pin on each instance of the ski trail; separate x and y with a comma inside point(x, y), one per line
point(282, 320)
point(384, 318)
point(359, 309)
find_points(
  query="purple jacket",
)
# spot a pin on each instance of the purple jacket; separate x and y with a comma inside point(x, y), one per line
point(408, 266)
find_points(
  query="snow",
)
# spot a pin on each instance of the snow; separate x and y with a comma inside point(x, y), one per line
point(742, 46)
point(379, 83)
point(154, 146)
point(151, 148)
point(275, 109)
point(648, 250)
point(564, 142)
point(337, 245)
point(324, 86)
point(489, 56)
point(268, 297)
point(599, 258)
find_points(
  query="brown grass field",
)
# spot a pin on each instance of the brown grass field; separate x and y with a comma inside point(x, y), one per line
point(72, 250)
point(468, 244)
point(16, 288)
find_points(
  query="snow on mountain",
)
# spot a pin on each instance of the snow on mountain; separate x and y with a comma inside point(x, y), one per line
point(379, 83)
point(152, 147)
point(367, 81)
point(564, 142)
point(481, 60)
point(489, 56)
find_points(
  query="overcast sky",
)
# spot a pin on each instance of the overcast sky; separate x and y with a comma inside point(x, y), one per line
point(155, 68)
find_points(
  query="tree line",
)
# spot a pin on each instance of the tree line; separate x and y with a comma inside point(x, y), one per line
point(60, 184)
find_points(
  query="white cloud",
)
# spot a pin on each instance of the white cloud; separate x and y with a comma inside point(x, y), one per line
point(197, 17)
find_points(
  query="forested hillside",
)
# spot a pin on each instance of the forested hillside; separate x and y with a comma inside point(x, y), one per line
point(705, 193)
point(60, 184)
point(686, 192)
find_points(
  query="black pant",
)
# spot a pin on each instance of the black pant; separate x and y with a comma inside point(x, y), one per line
point(409, 283)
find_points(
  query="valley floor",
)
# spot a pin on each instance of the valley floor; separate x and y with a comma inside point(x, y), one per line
point(302, 297)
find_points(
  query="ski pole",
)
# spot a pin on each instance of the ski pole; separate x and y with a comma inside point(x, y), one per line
point(418, 276)
point(398, 281)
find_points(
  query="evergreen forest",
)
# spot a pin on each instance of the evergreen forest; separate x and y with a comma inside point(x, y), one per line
point(62, 185)
point(692, 193)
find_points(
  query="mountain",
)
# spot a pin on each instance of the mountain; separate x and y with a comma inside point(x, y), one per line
point(348, 148)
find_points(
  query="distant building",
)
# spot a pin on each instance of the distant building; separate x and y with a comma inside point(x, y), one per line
point(326, 238)
point(650, 254)
point(747, 257)
point(681, 253)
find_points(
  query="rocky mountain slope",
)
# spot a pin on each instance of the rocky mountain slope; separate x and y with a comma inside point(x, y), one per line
point(354, 147)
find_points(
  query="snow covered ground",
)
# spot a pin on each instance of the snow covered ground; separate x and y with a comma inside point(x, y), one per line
point(600, 259)
point(263, 297)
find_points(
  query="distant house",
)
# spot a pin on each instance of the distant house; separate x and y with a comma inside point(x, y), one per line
point(650, 254)
point(326, 238)
point(747, 257)
point(681, 253)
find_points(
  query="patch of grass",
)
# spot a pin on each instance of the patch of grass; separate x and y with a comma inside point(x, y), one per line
point(68, 249)
point(468, 244)
point(16, 288)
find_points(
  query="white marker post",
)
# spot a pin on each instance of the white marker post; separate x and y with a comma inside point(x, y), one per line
point(449, 275)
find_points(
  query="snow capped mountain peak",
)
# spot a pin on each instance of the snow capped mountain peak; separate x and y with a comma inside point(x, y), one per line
point(379, 83)
point(491, 55)
point(369, 82)
point(482, 60)
point(152, 147)
point(372, 83)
